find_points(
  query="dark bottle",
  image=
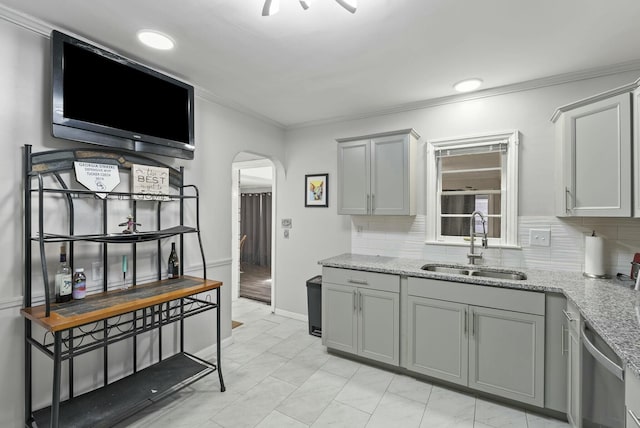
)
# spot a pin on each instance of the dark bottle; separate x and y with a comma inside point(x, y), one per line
point(63, 283)
point(174, 263)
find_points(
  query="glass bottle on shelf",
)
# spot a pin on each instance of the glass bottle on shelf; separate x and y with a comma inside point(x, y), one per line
point(174, 263)
point(63, 283)
point(79, 284)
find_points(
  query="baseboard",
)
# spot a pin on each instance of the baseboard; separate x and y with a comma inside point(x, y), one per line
point(294, 315)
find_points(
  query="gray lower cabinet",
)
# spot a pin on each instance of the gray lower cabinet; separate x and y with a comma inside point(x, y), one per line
point(340, 329)
point(506, 354)
point(438, 344)
point(453, 335)
point(361, 314)
point(574, 386)
point(555, 350)
point(632, 399)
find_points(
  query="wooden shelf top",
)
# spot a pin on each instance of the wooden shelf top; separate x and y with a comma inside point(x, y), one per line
point(97, 307)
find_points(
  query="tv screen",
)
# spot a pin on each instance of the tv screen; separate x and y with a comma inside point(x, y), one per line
point(102, 98)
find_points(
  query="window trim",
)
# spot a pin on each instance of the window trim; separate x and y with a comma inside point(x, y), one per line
point(509, 185)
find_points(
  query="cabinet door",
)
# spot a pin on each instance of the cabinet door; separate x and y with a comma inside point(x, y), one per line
point(555, 368)
point(506, 354)
point(632, 398)
point(379, 325)
point(353, 177)
point(390, 176)
point(597, 169)
point(437, 339)
point(339, 327)
point(574, 386)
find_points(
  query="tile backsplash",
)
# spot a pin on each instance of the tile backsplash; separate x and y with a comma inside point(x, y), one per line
point(405, 237)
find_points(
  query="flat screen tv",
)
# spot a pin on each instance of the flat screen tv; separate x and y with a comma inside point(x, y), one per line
point(103, 98)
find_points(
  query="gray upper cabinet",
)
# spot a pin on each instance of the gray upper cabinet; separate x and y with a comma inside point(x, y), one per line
point(376, 174)
point(593, 156)
point(361, 313)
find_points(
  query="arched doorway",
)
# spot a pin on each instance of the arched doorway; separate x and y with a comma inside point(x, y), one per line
point(253, 218)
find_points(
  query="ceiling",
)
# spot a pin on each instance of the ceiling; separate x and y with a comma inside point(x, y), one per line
point(300, 67)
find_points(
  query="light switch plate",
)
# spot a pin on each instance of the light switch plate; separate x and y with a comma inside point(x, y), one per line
point(540, 237)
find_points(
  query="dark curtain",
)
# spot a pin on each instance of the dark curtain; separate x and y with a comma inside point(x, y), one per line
point(456, 204)
point(255, 222)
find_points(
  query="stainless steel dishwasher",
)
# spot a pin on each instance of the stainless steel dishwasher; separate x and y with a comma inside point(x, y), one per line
point(602, 383)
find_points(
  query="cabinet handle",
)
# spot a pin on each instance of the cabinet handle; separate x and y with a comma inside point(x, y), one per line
point(473, 323)
point(569, 316)
point(634, 417)
point(360, 294)
point(368, 203)
point(354, 300)
point(373, 202)
point(562, 340)
point(358, 281)
point(567, 199)
point(466, 322)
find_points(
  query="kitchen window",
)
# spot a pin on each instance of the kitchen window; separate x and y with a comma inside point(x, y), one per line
point(478, 173)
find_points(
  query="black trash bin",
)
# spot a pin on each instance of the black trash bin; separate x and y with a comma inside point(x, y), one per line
point(314, 305)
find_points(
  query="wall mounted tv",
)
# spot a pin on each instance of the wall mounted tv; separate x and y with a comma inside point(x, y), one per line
point(102, 98)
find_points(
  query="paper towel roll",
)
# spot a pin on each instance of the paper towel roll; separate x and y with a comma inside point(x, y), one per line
point(594, 256)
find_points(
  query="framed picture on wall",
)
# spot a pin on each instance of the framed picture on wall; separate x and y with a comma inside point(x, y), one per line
point(316, 190)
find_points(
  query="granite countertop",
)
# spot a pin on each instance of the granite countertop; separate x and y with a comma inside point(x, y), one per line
point(611, 307)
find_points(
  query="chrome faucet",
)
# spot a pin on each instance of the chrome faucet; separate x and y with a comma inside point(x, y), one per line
point(472, 236)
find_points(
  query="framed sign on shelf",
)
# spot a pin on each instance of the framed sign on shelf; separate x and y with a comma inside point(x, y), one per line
point(316, 190)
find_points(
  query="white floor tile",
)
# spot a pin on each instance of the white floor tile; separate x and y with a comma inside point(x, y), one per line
point(277, 375)
point(310, 400)
point(338, 415)
point(394, 410)
point(365, 389)
point(499, 416)
point(448, 409)
point(276, 419)
point(410, 388)
point(250, 409)
point(538, 421)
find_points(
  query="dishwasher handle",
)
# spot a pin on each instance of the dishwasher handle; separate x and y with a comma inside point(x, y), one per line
point(612, 367)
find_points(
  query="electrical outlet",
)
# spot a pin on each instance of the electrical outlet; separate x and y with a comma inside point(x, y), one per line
point(286, 234)
point(540, 237)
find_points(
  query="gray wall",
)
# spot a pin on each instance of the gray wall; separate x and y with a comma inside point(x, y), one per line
point(320, 233)
point(25, 119)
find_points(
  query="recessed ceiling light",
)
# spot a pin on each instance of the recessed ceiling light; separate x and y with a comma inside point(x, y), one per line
point(468, 85)
point(155, 40)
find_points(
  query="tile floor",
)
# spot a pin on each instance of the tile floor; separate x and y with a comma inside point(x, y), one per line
point(278, 376)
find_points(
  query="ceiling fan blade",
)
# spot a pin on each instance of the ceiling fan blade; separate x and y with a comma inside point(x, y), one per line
point(271, 7)
point(350, 5)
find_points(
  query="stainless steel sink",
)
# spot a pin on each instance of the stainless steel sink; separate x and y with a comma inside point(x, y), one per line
point(473, 271)
point(519, 276)
point(446, 269)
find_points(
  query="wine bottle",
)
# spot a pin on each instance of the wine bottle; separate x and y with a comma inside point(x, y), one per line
point(174, 263)
point(63, 283)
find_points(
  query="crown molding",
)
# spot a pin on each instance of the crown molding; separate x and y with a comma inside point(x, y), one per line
point(26, 21)
point(595, 98)
point(528, 85)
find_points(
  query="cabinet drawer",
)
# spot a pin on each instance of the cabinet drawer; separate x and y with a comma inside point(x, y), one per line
point(363, 279)
point(529, 302)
